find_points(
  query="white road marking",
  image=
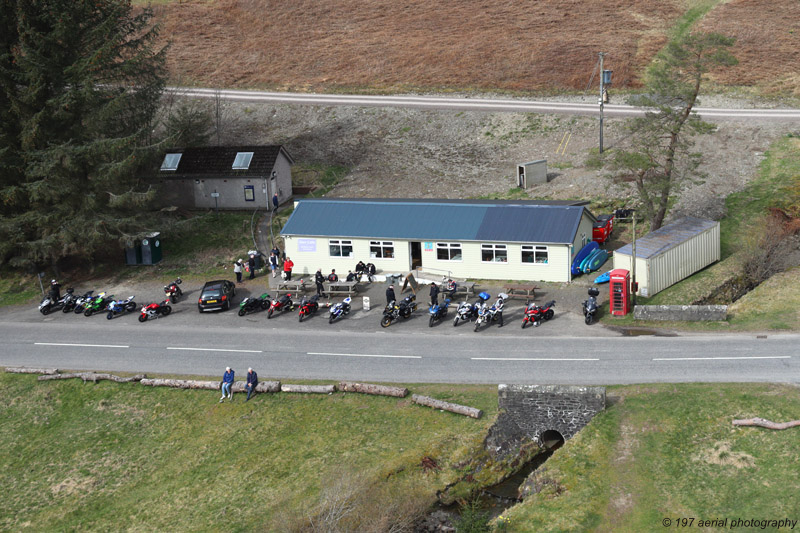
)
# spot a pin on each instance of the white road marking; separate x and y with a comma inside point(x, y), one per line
point(213, 350)
point(525, 359)
point(367, 355)
point(84, 345)
point(720, 358)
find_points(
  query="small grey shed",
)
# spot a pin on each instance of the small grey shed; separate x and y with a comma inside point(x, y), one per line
point(671, 253)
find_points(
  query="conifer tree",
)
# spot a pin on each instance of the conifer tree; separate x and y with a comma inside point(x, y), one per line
point(80, 85)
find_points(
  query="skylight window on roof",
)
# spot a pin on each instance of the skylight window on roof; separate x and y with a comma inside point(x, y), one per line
point(242, 161)
point(171, 162)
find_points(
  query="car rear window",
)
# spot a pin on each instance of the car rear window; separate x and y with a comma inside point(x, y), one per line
point(212, 292)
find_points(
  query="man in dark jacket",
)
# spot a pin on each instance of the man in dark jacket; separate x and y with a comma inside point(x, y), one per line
point(275, 202)
point(319, 279)
point(333, 277)
point(251, 263)
point(390, 297)
point(55, 290)
point(434, 294)
point(252, 382)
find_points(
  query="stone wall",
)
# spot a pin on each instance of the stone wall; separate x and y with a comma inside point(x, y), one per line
point(527, 411)
point(690, 313)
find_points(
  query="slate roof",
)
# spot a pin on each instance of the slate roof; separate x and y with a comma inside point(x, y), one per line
point(430, 220)
point(216, 161)
point(666, 237)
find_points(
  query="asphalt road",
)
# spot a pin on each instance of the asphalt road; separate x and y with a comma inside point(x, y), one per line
point(562, 351)
point(472, 104)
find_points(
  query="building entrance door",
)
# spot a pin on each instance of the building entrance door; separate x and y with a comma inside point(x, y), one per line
point(416, 254)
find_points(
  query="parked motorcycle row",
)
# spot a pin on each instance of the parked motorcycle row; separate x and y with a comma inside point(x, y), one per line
point(90, 303)
point(480, 313)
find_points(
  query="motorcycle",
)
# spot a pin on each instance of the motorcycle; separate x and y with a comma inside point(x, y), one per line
point(486, 315)
point(98, 303)
point(340, 309)
point(393, 311)
point(251, 304)
point(438, 312)
point(118, 307)
point(285, 303)
point(71, 300)
point(535, 314)
point(467, 311)
point(172, 291)
point(80, 303)
point(308, 307)
point(590, 306)
point(155, 310)
point(48, 303)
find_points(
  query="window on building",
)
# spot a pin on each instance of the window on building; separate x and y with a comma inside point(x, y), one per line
point(534, 254)
point(340, 248)
point(494, 253)
point(249, 193)
point(242, 161)
point(171, 162)
point(381, 249)
point(448, 251)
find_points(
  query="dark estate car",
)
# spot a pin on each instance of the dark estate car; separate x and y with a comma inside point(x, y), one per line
point(216, 295)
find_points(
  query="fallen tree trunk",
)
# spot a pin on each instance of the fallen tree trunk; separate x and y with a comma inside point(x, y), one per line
point(368, 388)
point(92, 376)
point(182, 384)
point(311, 389)
point(22, 370)
point(446, 406)
point(766, 423)
point(263, 386)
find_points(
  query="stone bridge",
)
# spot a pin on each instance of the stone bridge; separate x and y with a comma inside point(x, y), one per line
point(547, 414)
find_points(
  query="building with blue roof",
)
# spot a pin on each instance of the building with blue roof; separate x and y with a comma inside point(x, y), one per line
point(483, 239)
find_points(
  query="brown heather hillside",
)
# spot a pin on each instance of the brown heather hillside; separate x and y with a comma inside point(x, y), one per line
point(466, 44)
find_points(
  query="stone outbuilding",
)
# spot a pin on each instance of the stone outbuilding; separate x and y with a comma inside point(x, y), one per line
point(225, 177)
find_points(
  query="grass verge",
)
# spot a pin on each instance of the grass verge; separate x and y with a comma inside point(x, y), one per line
point(667, 451)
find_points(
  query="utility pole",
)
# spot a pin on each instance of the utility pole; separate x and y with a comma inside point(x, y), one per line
point(633, 261)
point(602, 94)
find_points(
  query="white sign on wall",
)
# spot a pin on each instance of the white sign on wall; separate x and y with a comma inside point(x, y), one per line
point(306, 245)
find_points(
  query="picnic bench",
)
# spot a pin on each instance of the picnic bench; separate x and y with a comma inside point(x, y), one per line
point(291, 286)
point(467, 288)
point(342, 287)
point(521, 291)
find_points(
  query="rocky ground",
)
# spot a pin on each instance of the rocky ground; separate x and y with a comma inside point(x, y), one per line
point(392, 152)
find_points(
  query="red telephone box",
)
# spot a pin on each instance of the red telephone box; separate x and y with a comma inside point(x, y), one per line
point(620, 296)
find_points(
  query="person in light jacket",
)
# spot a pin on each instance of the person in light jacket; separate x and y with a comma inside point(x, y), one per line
point(237, 269)
point(227, 383)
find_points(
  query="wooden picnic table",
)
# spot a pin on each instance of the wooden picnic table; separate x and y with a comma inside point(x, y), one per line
point(521, 291)
point(341, 287)
point(291, 286)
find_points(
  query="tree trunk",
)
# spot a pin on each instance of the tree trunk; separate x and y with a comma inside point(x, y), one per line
point(92, 376)
point(263, 386)
point(766, 423)
point(446, 406)
point(183, 384)
point(367, 388)
point(313, 389)
point(23, 370)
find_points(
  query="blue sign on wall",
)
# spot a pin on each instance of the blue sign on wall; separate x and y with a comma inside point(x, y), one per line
point(428, 246)
point(306, 245)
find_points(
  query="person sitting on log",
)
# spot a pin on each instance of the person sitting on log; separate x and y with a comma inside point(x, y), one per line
point(227, 383)
point(252, 382)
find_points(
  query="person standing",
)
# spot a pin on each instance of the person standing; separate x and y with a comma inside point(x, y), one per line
point(319, 279)
point(252, 382)
point(237, 269)
point(273, 263)
point(434, 294)
point(501, 302)
point(275, 202)
point(55, 290)
point(287, 268)
point(227, 383)
point(251, 263)
point(390, 297)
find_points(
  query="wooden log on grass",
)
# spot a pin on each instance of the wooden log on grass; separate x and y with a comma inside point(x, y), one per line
point(182, 384)
point(368, 388)
point(263, 386)
point(769, 424)
point(92, 376)
point(308, 389)
point(446, 406)
point(23, 370)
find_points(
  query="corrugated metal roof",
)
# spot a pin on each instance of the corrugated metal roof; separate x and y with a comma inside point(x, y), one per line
point(413, 220)
point(667, 237)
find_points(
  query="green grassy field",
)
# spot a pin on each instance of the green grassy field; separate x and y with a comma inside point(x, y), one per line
point(123, 456)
